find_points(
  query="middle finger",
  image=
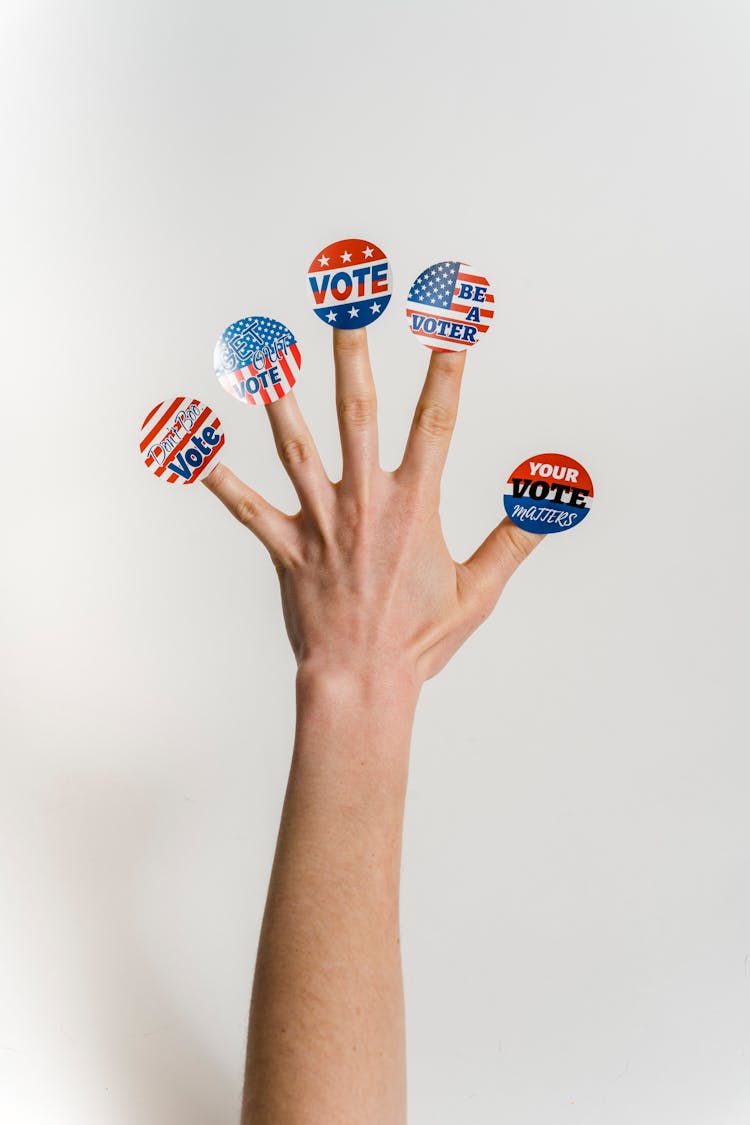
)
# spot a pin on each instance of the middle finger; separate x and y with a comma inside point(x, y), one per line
point(356, 405)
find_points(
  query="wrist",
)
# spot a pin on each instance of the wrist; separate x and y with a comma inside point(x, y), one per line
point(385, 689)
point(345, 715)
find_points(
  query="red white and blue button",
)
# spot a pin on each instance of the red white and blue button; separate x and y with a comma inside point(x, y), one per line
point(257, 359)
point(450, 307)
point(549, 492)
point(180, 440)
point(350, 283)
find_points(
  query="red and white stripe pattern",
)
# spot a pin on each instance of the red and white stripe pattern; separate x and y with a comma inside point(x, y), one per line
point(238, 383)
point(257, 360)
point(180, 440)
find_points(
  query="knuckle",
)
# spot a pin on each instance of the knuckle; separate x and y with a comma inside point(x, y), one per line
point(435, 420)
point(356, 512)
point(447, 364)
point(294, 451)
point(247, 511)
point(350, 342)
point(359, 410)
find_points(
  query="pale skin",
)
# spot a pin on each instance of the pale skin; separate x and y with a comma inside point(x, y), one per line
point(374, 605)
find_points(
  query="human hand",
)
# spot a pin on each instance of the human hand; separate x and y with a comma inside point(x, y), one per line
point(368, 585)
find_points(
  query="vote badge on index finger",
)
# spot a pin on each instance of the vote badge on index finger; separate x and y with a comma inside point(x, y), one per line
point(350, 282)
point(549, 492)
point(450, 307)
point(257, 359)
point(180, 440)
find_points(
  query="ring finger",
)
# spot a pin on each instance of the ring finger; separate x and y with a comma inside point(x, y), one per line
point(299, 455)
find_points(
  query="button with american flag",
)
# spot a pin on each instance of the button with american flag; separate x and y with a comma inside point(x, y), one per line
point(257, 359)
point(350, 283)
point(450, 307)
point(549, 492)
point(180, 440)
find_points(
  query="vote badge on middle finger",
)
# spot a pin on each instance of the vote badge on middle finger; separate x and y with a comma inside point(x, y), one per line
point(350, 283)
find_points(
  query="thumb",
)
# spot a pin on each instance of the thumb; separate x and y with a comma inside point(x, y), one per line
point(495, 560)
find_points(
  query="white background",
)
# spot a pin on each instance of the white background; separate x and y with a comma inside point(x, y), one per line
point(575, 899)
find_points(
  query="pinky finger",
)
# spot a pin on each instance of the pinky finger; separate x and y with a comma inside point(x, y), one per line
point(272, 527)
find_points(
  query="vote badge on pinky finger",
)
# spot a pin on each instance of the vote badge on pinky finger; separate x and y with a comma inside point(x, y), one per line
point(257, 359)
point(180, 440)
point(549, 492)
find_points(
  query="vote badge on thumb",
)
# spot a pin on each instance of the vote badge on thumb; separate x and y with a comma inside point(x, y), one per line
point(450, 307)
point(549, 492)
point(180, 440)
point(257, 360)
point(350, 282)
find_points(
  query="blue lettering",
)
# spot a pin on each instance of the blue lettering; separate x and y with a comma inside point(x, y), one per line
point(180, 467)
point(200, 445)
point(471, 292)
point(210, 436)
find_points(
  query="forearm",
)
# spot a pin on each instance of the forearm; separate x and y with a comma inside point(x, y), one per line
point(326, 1039)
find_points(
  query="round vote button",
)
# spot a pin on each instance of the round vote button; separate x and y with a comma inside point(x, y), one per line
point(549, 492)
point(180, 440)
point(350, 283)
point(450, 307)
point(257, 359)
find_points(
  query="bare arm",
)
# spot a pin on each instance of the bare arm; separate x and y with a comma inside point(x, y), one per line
point(374, 605)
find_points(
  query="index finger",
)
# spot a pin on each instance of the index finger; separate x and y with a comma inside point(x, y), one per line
point(434, 418)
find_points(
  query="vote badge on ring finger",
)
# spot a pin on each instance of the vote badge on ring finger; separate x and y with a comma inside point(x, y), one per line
point(350, 283)
point(257, 359)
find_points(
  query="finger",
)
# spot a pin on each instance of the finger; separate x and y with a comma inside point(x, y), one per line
point(298, 453)
point(356, 404)
point(494, 561)
point(434, 418)
point(273, 528)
